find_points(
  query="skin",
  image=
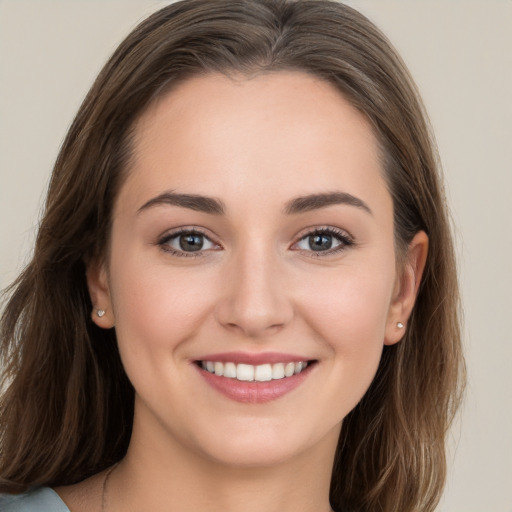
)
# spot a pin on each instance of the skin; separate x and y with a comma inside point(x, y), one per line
point(254, 144)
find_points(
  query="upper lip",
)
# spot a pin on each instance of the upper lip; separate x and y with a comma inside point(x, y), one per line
point(254, 358)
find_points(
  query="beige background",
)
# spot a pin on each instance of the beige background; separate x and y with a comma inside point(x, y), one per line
point(460, 52)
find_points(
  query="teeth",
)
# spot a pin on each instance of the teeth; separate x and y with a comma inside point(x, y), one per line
point(263, 372)
point(278, 371)
point(219, 369)
point(289, 369)
point(244, 372)
point(248, 372)
point(230, 370)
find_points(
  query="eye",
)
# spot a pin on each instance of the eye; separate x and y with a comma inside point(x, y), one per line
point(325, 240)
point(186, 243)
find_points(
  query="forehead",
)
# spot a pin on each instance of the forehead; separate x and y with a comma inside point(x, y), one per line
point(287, 130)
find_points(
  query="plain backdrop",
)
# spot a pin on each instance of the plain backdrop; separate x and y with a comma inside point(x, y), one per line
point(460, 53)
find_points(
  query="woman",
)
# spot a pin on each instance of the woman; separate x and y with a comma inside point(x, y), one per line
point(243, 293)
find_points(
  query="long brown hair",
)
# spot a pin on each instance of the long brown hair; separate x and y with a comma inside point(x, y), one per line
point(67, 406)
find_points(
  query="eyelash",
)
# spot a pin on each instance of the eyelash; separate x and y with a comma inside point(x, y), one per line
point(164, 241)
point(344, 238)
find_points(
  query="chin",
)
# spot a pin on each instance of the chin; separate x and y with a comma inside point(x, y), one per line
point(263, 445)
point(252, 453)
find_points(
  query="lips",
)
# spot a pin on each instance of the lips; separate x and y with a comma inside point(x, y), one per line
point(254, 378)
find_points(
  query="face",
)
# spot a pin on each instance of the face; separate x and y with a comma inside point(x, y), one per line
point(254, 233)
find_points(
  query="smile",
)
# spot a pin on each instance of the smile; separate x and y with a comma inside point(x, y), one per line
point(254, 378)
point(250, 373)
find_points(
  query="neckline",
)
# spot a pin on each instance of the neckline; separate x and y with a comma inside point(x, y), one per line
point(57, 497)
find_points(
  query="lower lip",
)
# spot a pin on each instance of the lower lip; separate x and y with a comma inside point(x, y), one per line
point(255, 392)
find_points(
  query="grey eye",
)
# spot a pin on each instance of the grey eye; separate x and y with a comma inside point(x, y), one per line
point(189, 241)
point(319, 242)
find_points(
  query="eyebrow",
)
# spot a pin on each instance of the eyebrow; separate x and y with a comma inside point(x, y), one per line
point(216, 206)
point(190, 201)
point(317, 201)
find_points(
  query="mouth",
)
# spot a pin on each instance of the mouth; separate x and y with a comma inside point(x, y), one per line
point(254, 383)
point(254, 373)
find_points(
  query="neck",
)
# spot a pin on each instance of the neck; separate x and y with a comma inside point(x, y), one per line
point(172, 478)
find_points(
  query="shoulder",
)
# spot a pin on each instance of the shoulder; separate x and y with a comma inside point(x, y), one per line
point(42, 499)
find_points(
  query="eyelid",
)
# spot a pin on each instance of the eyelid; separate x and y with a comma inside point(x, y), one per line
point(346, 239)
point(164, 239)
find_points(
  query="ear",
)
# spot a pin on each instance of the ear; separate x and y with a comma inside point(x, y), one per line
point(99, 290)
point(406, 288)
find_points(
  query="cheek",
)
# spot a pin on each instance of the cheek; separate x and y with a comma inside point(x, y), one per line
point(156, 307)
point(350, 317)
point(351, 325)
point(350, 305)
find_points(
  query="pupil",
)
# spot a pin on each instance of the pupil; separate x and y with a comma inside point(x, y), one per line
point(191, 242)
point(320, 242)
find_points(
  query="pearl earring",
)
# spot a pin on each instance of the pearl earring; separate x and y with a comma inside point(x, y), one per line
point(400, 325)
point(100, 312)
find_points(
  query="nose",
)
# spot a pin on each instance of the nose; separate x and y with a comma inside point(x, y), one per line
point(255, 301)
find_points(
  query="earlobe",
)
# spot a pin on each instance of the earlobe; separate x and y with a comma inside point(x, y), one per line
point(99, 291)
point(406, 288)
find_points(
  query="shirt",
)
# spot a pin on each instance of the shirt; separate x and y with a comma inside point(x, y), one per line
point(42, 499)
